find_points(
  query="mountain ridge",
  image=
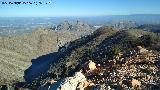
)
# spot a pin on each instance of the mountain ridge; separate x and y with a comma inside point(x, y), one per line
point(100, 46)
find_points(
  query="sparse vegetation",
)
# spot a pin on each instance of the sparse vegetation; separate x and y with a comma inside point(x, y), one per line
point(103, 47)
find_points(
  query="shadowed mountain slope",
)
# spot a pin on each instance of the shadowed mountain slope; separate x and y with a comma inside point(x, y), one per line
point(16, 52)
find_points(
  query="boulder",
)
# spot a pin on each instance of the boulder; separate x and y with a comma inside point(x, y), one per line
point(135, 83)
point(69, 83)
point(89, 67)
point(85, 85)
point(141, 49)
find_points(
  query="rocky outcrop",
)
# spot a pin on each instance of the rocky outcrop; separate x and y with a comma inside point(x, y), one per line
point(125, 25)
point(77, 81)
point(131, 74)
point(69, 83)
point(64, 26)
point(80, 28)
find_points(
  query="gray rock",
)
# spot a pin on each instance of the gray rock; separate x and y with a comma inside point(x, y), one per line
point(69, 83)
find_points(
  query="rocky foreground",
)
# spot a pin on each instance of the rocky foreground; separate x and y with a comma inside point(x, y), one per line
point(138, 69)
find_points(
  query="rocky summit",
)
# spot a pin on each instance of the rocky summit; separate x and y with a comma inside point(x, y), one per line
point(108, 59)
point(135, 72)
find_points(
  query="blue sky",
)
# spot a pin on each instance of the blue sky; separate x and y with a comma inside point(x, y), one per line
point(80, 8)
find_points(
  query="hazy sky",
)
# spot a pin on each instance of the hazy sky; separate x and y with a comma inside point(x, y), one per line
point(80, 8)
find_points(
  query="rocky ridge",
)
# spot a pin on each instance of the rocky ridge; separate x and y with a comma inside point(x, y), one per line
point(80, 28)
point(119, 56)
point(137, 71)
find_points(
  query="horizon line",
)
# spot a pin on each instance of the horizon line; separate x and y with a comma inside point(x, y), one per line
point(75, 16)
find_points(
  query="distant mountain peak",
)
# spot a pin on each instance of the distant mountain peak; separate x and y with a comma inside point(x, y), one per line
point(78, 27)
